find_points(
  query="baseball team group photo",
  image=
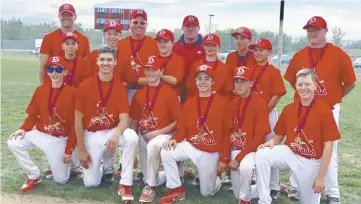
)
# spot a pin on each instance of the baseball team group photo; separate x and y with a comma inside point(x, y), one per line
point(192, 113)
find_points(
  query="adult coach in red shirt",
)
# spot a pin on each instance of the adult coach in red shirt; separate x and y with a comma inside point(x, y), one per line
point(335, 79)
point(189, 45)
point(51, 45)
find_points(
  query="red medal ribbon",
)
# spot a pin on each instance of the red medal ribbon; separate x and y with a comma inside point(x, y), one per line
point(202, 118)
point(102, 99)
point(148, 105)
point(255, 82)
point(71, 75)
point(51, 104)
point(323, 50)
point(240, 119)
point(135, 50)
point(302, 123)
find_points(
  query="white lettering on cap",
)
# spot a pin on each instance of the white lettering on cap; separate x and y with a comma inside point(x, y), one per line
point(161, 32)
point(112, 23)
point(258, 41)
point(140, 11)
point(240, 71)
point(55, 59)
point(66, 6)
point(209, 37)
point(203, 68)
point(190, 18)
point(69, 34)
point(151, 60)
point(312, 20)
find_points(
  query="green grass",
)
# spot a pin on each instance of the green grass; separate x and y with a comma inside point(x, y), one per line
point(19, 80)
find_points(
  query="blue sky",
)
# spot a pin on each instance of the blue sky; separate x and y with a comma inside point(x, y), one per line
point(258, 14)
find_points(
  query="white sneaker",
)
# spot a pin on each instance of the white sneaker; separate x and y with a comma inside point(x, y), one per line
point(218, 185)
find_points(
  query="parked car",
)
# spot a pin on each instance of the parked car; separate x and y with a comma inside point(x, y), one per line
point(357, 63)
point(285, 59)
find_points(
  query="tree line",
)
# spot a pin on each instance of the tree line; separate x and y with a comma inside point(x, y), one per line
point(15, 29)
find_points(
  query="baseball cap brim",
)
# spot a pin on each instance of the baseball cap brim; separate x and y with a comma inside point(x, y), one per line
point(57, 64)
point(241, 77)
point(313, 26)
point(254, 46)
point(67, 11)
point(151, 67)
point(70, 37)
point(209, 42)
point(234, 34)
point(163, 37)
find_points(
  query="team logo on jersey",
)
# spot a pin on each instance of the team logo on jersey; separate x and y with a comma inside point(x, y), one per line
point(238, 137)
point(149, 121)
point(55, 124)
point(204, 136)
point(55, 59)
point(210, 37)
point(104, 119)
point(302, 145)
point(312, 20)
point(320, 86)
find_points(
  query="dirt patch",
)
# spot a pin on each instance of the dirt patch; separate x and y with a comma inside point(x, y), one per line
point(35, 199)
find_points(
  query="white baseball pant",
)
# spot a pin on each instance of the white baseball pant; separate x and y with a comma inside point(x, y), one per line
point(205, 162)
point(150, 159)
point(95, 145)
point(275, 173)
point(331, 179)
point(281, 156)
point(242, 178)
point(131, 93)
point(52, 146)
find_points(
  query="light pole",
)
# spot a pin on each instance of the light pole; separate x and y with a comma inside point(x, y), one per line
point(210, 22)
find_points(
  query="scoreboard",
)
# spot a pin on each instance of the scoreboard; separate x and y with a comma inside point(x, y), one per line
point(103, 15)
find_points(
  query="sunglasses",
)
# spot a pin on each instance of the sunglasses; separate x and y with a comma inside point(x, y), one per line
point(56, 69)
point(136, 22)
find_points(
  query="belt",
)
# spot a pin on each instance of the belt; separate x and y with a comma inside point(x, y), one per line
point(133, 86)
point(233, 148)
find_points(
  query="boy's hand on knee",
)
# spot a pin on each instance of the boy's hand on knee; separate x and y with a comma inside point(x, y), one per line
point(234, 164)
point(18, 134)
point(84, 158)
point(67, 158)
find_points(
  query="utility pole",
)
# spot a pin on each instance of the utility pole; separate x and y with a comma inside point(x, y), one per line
point(210, 23)
point(280, 35)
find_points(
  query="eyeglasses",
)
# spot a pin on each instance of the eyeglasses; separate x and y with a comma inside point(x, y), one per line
point(136, 22)
point(57, 69)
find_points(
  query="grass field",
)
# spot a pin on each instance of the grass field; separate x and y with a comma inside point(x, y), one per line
point(19, 80)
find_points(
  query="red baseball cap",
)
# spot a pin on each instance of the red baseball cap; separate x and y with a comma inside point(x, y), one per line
point(189, 20)
point(113, 24)
point(205, 68)
point(212, 39)
point(244, 31)
point(165, 34)
point(67, 8)
point(154, 62)
point(69, 35)
point(57, 60)
point(243, 73)
point(139, 12)
point(262, 43)
point(316, 22)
